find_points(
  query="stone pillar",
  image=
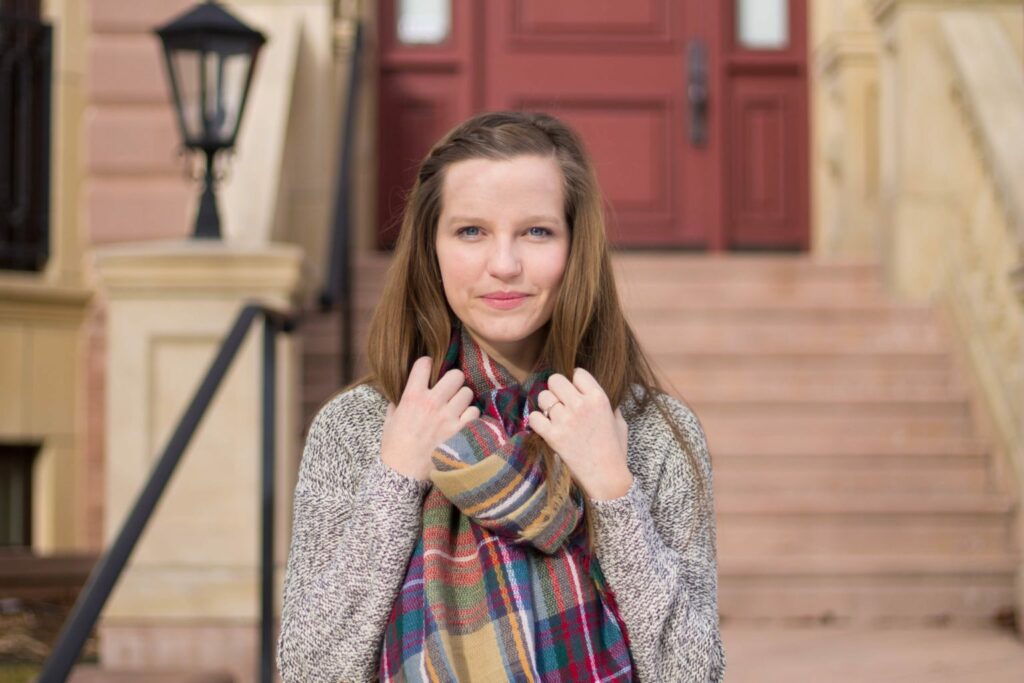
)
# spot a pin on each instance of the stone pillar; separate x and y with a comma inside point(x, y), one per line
point(845, 134)
point(189, 596)
point(918, 214)
point(923, 146)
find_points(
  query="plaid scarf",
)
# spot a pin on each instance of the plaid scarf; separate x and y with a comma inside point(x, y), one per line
point(494, 591)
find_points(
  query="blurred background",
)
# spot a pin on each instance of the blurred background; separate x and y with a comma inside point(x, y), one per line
point(818, 214)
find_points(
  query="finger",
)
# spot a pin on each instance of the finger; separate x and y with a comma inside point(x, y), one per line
point(539, 423)
point(468, 415)
point(461, 400)
point(564, 390)
point(449, 383)
point(546, 399)
point(585, 382)
point(419, 374)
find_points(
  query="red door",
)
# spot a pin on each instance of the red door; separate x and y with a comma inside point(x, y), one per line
point(698, 131)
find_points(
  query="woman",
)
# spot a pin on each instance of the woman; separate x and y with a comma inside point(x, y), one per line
point(437, 535)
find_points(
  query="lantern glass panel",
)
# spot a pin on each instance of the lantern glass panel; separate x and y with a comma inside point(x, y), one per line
point(225, 80)
point(211, 86)
point(185, 64)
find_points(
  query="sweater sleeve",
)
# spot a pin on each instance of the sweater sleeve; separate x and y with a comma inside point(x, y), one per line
point(352, 535)
point(658, 555)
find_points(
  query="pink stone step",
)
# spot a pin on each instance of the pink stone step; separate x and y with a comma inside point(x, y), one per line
point(702, 266)
point(668, 295)
point(811, 443)
point(866, 474)
point(847, 525)
point(925, 448)
point(669, 337)
point(887, 589)
point(833, 421)
point(701, 383)
point(94, 674)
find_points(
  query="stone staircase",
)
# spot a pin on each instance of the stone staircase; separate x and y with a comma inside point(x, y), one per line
point(850, 483)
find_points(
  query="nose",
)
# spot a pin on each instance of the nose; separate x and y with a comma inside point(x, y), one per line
point(503, 261)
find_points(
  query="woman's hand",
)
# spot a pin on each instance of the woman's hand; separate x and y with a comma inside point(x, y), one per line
point(589, 437)
point(424, 418)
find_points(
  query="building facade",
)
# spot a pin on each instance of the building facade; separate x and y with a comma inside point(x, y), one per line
point(884, 131)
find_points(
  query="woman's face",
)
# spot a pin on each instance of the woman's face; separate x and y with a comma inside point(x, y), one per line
point(502, 245)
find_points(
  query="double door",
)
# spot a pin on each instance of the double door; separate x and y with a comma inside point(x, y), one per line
point(694, 112)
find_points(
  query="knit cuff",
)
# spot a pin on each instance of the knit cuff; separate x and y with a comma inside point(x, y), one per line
point(391, 484)
point(617, 521)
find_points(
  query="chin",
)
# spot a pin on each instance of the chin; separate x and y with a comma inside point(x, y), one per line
point(502, 331)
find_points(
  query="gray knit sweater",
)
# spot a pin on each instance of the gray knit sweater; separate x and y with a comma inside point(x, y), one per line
point(356, 522)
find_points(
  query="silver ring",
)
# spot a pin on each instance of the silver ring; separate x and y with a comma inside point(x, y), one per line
point(551, 407)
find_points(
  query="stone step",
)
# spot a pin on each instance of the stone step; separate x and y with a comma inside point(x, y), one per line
point(802, 441)
point(680, 307)
point(668, 337)
point(86, 673)
point(848, 525)
point(722, 382)
point(785, 475)
point(883, 589)
point(652, 294)
point(833, 420)
point(733, 266)
point(760, 392)
point(925, 448)
point(953, 404)
point(825, 503)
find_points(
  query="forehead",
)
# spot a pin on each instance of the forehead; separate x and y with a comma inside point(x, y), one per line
point(478, 185)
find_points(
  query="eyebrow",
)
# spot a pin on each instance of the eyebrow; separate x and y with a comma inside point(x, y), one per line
point(529, 219)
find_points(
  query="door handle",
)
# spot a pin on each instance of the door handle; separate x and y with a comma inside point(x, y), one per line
point(697, 93)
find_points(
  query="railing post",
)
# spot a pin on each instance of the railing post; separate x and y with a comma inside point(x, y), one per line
point(267, 500)
point(337, 290)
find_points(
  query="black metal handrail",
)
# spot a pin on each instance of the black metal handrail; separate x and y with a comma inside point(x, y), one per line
point(337, 291)
point(108, 570)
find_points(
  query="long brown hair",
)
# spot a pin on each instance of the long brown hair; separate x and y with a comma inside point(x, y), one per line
point(587, 328)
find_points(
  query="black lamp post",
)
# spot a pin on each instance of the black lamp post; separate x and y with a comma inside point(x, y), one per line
point(210, 58)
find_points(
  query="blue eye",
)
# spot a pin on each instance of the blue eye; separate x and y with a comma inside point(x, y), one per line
point(544, 231)
point(464, 231)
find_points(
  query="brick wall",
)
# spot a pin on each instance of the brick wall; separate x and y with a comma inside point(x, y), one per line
point(135, 185)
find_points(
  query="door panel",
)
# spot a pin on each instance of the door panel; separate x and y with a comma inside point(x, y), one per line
point(614, 71)
point(766, 145)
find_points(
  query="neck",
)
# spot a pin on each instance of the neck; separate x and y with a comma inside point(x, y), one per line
point(518, 357)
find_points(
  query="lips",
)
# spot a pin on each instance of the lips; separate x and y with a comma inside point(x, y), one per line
point(504, 296)
point(504, 300)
